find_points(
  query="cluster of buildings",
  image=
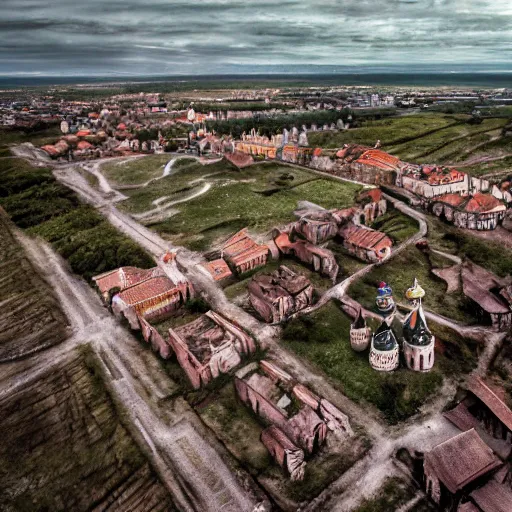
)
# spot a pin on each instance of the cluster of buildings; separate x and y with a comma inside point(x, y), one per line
point(470, 472)
point(465, 201)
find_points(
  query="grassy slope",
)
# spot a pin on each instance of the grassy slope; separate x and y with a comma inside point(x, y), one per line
point(136, 170)
point(428, 147)
point(254, 197)
point(34, 199)
point(388, 131)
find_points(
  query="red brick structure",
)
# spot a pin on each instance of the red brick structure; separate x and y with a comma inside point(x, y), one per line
point(219, 270)
point(279, 295)
point(209, 346)
point(298, 420)
point(365, 243)
point(322, 260)
point(151, 294)
point(483, 409)
point(242, 253)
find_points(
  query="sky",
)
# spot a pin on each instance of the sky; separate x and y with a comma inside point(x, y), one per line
point(169, 37)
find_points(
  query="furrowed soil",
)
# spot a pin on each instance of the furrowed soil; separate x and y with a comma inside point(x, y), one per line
point(30, 317)
point(64, 447)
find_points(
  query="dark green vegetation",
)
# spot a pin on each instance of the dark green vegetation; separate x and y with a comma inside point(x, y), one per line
point(394, 494)
point(323, 339)
point(491, 255)
point(271, 125)
point(449, 144)
point(35, 200)
point(239, 429)
point(65, 448)
point(31, 318)
point(256, 197)
point(39, 136)
point(396, 225)
point(501, 371)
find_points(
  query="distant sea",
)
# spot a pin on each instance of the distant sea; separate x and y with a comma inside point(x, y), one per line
point(480, 79)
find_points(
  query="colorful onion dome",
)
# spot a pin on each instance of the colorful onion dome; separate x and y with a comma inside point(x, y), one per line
point(415, 328)
point(415, 291)
point(384, 290)
point(384, 338)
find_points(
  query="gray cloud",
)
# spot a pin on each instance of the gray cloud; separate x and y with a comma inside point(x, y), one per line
point(216, 36)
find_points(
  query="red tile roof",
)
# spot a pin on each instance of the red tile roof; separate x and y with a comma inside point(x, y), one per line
point(241, 247)
point(218, 269)
point(378, 158)
point(481, 390)
point(147, 290)
point(83, 133)
point(461, 460)
point(124, 277)
point(451, 199)
point(482, 203)
point(361, 236)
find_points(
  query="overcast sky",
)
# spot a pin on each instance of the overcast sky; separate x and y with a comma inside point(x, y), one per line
point(138, 37)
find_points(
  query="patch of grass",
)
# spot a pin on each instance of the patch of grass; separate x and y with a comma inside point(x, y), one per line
point(90, 243)
point(236, 427)
point(396, 225)
point(323, 339)
point(136, 170)
point(389, 131)
point(422, 148)
point(400, 272)
point(393, 494)
point(233, 204)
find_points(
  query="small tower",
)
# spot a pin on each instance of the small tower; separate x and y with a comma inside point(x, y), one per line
point(384, 350)
point(415, 293)
point(385, 302)
point(418, 341)
point(360, 333)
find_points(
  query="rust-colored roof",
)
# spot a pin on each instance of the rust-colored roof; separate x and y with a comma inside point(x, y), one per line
point(146, 290)
point(83, 144)
point(124, 277)
point(317, 152)
point(241, 247)
point(482, 203)
point(477, 284)
point(451, 199)
point(378, 158)
point(461, 460)
point(83, 133)
point(218, 269)
point(239, 158)
point(51, 150)
point(375, 194)
point(493, 497)
point(438, 175)
point(361, 236)
point(481, 390)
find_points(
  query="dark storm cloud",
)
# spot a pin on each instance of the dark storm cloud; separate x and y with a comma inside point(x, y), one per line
point(170, 36)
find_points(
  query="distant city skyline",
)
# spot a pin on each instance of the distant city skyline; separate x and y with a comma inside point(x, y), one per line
point(167, 37)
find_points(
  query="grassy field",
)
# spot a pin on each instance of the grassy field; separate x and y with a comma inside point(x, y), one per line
point(394, 494)
point(260, 197)
point(323, 339)
point(400, 272)
point(444, 145)
point(136, 170)
point(389, 131)
point(499, 168)
point(398, 226)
